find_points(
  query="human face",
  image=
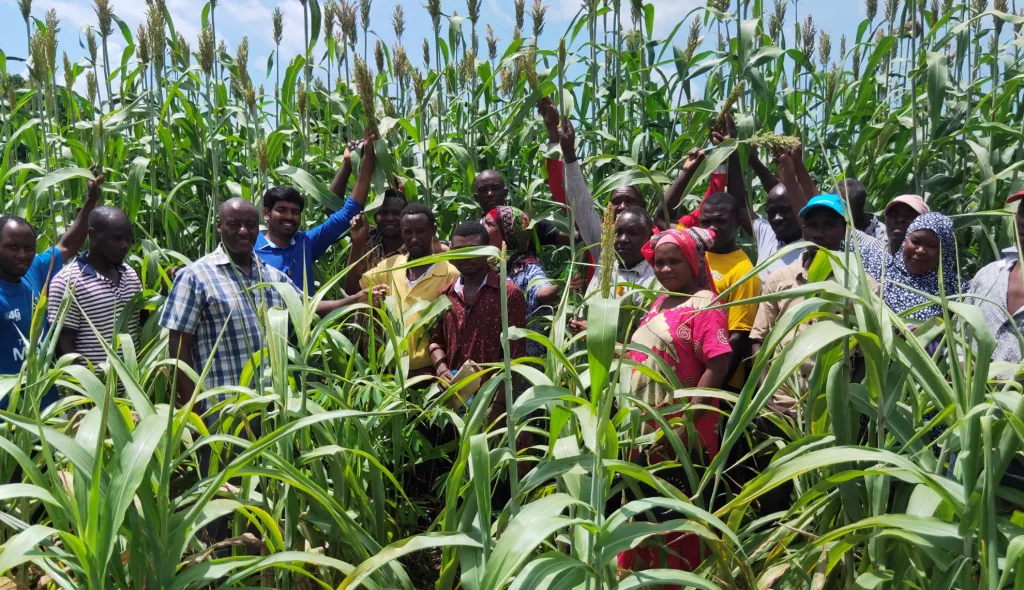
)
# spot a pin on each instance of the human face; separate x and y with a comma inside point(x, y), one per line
point(389, 216)
point(898, 218)
point(625, 197)
point(493, 231)
point(111, 242)
point(283, 219)
point(17, 251)
point(720, 219)
point(630, 236)
point(238, 228)
point(418, 235)
point(825, 228)
point(921, 252)
point(489, 190)
point(469, 267)
point(672, 270)
point(780, 215)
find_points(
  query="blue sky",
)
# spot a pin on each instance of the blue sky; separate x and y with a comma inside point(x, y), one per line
point(252, 18)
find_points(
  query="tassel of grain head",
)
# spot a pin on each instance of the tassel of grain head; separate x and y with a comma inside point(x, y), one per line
point(520, 10)
point(262, 155)
point(278, 20)
point(537, 12)
point(607, 250)
point(364, 88)
point(184, 52)
point(206, 50)
point(378, 55)
point(91, 44)
point(730, 102)
point(426, 53)
point(398, 21)
point(90, 86)
point(69, 73)
point(492, 43)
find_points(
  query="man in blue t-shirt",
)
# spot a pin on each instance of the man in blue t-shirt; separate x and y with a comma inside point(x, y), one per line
point(24, 275)
point(292, 251)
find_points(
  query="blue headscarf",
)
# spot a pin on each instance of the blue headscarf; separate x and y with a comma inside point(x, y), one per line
point(898, 278)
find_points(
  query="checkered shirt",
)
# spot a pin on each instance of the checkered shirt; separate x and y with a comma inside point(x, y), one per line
point(212, 293)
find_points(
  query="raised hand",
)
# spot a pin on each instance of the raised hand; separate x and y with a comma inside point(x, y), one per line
point(693, 160)
point(549, 114)
point(718, 137)
point(96, 186)
point(360, 230)
point(567, 139)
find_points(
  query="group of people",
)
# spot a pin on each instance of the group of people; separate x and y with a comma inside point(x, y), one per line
point(700, 322)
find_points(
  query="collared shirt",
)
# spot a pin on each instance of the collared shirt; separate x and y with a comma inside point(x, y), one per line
point(991, 287)
point(96, 306)
point(768, 312)
point(17, 305)
point(428, 288)
point(768, 244)
point(641, 274)
point(473, 332)
point(211, 295)
point(296, 259)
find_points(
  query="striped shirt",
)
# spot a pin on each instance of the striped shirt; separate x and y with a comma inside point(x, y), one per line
point(96, 306)
point(212, 295)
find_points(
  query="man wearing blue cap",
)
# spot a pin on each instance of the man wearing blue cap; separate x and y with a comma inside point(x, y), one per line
point(825, 227)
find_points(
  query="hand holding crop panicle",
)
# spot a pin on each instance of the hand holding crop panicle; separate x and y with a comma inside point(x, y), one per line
point(727, 133)
point(369, 150)
point(375, 294)
point(567, 139)
point(96, 185)
point(549, 114)
point(693, 160)
point(360, 231)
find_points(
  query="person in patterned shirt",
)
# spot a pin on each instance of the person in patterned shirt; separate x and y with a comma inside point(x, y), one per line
point(217, 307)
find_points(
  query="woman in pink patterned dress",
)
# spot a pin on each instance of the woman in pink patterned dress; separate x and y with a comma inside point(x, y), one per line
point(692, 337)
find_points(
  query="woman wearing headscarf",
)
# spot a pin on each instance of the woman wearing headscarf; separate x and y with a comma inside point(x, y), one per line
point(914, 270)
point(692, 337)
point(512, 226)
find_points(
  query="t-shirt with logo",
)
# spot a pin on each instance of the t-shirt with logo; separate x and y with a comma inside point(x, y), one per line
point(17, 303)
point(727, 270)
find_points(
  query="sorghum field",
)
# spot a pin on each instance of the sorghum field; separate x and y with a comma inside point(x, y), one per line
point(103, 490)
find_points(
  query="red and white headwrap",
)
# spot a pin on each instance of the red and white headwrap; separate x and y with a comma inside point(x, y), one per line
point(694, 243)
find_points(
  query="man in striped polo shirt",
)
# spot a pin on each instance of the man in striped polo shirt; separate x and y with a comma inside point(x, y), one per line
point(98, 287)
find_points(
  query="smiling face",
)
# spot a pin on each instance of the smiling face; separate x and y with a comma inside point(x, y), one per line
point(898, 218)
point(418, 235)
point(780, 214)
point(389, 216)
point(825, 228)
point(238, 225)
point(283, 219)
point(630, 236)
point(489, 190)
point(921, 252)
point(17, 250)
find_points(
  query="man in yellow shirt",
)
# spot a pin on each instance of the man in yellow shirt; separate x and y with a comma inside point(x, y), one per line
point(729, 264)
point(415, 284)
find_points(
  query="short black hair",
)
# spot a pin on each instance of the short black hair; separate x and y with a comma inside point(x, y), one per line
point(472, 228)
point(287, 194)
point(419, 209)
point(852, 190)
point(723, 199)
point(107, 216)
point(390, 193)
point(633, 189)
point(640, 212)
point(6, 220)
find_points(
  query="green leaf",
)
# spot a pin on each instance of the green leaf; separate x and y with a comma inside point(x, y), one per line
point(402, 548)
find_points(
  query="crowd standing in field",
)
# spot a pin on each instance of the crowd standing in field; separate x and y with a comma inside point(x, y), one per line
point(698, 288)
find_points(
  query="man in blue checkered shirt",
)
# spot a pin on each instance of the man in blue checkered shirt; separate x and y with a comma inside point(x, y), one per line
point(216, 297)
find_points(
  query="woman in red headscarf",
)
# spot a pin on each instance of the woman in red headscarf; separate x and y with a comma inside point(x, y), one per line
point(689, 334)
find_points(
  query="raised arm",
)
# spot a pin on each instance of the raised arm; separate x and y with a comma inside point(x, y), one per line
point(73, 239)
point(576, 191)
point(788, 177)
point(768, 180)
point(675, 191)
point(329, 232)
point(803, 177)
point(339, 186)
point(356, 254)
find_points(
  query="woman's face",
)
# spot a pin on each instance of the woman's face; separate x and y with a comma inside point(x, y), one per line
point(493, 231)
point(671, 268)
point(921, 251)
